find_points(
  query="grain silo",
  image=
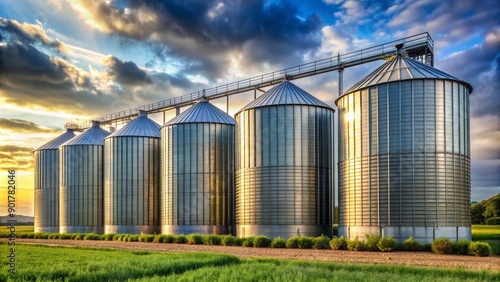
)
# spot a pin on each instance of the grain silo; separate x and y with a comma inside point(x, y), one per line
point(132, 178)
point(284, 165)
point(197, 164)
point(81, 182)
point(47, 184)
point(404, 165)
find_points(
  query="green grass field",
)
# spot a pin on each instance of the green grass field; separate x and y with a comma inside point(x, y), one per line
point(487, 233)
point(43, 263)
point(19, 229)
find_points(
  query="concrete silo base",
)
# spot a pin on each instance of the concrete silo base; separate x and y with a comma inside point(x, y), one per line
point(423, 235)
point(284, 231)
point(196, 229)
point(81, 229)
point(45, 229)
point(129, 229)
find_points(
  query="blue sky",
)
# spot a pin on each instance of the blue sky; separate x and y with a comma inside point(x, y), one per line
point(66, 60)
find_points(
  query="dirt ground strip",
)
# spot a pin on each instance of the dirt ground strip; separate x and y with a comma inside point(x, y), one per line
point(400, 258)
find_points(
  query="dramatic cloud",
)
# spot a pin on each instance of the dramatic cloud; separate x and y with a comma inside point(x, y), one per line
point(126, 72)
point(203, 32)
point(23, 126)
point(16, 157)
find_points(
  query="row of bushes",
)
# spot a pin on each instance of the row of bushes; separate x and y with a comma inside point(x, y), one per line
point(372, 242)
point(439, 246)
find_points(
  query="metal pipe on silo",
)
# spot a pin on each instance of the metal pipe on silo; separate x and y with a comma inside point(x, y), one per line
point(47, 184)
point(81, 182)
point(197, 165)
point(404, 159)
point(132, 178)
point(284, 165)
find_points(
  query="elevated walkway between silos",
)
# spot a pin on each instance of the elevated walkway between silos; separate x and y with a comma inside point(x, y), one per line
point(419, 47)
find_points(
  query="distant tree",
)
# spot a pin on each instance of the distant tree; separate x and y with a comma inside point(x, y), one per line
point(492, 208)
point(476, 212)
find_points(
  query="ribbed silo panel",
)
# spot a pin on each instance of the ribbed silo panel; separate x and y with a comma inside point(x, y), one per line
point(81, 189)
point(414, 168)
point(284, 170)
point(198, 178)
point(132, 180)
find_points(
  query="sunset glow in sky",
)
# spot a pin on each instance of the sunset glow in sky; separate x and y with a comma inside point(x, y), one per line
point(74, 60)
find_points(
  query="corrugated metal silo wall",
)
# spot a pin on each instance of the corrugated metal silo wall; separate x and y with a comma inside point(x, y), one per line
point(47, 191)
point(197, 191)
point(132, 183)
point(81, 189)
point(284, 171)
point(404, 165)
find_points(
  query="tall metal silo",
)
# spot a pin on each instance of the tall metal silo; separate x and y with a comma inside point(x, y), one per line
point(47, 184)
point(81, 182)
point(132, 178)
point(404, 157)
point(197, 164)
point(284, 165)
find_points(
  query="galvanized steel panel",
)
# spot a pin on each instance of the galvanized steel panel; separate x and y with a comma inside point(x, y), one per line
point(202, 112)
point(81, 183)
point(131, 173)
point(197, 164)
point(141, 126)
point(404, 160)
point(285, 93)
point(284, 168)
point(47, 184)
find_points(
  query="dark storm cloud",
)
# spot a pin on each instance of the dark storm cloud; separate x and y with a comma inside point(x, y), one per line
point(30, 77)
point(479, 66)
point(28, 34)
point(126, 72)
point(201, 31)
point(23, 126)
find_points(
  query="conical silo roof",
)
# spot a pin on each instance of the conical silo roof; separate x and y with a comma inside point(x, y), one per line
point(285, 93)
point(141, 126)
point(56, 142)
point(92, 136)
point(401, 68)
point(202, 111)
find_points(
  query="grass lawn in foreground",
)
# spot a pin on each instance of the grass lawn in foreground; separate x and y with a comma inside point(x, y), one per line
point(43, 263)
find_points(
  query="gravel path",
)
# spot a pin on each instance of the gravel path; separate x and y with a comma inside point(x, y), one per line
point(400, 258)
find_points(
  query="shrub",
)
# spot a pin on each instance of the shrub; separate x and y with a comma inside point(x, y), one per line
point(169, 239)
point(372, 241)
point(442, 246)
point(278, 242)
point(426, 248)
point(30, 235)
point(211, 239)
point(107, 237)
point(293, 242)
point(338, 243)
point(117, 237)
point(133, 238)
point(159, 238)
point(92, 236)
point(411, 245)
point(44, 236)
point(79, 236)
point(228, 240)
point(180, 239)
point(356, 244)
point(261, 242)
point(386, 244)
point(461, 247)
point(194, 239)
point(65, 236)
point(305, 242)
point(53, 236)
point(493, 221)
point(321, 242)
point(239, 241)
point(146, 238)
point(479, 249)
point(248, 242)
point(21, 235)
